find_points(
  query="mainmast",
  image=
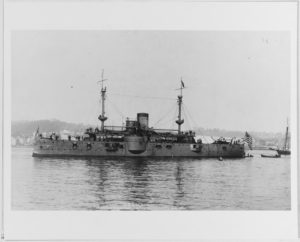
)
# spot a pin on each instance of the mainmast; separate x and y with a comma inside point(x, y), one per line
point(102, 117)
point(180, 121)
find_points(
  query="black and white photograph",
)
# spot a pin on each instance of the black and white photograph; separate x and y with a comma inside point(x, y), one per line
point(150, 120)
point(166, 120)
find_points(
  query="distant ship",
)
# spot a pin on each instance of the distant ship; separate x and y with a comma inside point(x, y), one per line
point(136, 139)
point(285, 150)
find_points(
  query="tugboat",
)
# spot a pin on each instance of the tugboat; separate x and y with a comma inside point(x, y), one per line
point(136, 139)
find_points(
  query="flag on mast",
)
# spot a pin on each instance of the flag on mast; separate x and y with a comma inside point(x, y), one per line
point(248, 139)
point(182, 84)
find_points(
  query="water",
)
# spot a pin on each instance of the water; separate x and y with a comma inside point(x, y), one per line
point(148, 184)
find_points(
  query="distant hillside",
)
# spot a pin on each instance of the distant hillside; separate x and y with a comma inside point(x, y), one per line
point(27, 128)
point(232, 133)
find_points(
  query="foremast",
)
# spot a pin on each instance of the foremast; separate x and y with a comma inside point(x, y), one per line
point(102, 117)
point(180, 121)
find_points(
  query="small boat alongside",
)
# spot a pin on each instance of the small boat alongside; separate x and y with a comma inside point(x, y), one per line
point(284, 152)
point(271, 156)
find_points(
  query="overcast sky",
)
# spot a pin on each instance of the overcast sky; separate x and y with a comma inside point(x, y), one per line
point(235, 80)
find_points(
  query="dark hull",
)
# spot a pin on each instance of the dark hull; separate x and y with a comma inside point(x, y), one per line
point(284, 152)
point(64, 148)
point(270, 156)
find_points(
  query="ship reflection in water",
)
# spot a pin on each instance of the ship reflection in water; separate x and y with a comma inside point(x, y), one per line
point(149, 184)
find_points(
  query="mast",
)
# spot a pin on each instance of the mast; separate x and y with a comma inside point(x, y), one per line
point(180, 121)
point(102, 117)
point(286, 136)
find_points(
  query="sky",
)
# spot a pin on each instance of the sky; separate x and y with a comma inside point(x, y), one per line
point(235, 80)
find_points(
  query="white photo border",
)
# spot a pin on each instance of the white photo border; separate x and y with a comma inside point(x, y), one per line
point(125, 225)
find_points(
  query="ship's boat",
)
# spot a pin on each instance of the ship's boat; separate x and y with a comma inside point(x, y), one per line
point(271, 156)
point(283, 152)
point(136, 139)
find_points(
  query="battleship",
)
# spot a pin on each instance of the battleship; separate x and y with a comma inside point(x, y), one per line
point(136, 139)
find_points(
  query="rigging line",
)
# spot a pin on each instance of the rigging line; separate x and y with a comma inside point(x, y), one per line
point(162, 121)
point(115, 107)
point(136, 96)
point(169, 121)
point(167, 113)
point(175, 116)
point(186, 117)
point(191, 117)
point(90, 112)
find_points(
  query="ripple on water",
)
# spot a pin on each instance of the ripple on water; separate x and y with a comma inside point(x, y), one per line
point(147, 184)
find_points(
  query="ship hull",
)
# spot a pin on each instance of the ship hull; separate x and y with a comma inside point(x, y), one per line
point(66, 148)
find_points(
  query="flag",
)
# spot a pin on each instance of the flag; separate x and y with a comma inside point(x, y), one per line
point(182, 84)
point(248, 139)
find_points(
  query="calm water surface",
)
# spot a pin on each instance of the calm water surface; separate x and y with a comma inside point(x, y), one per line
point(147, 184)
